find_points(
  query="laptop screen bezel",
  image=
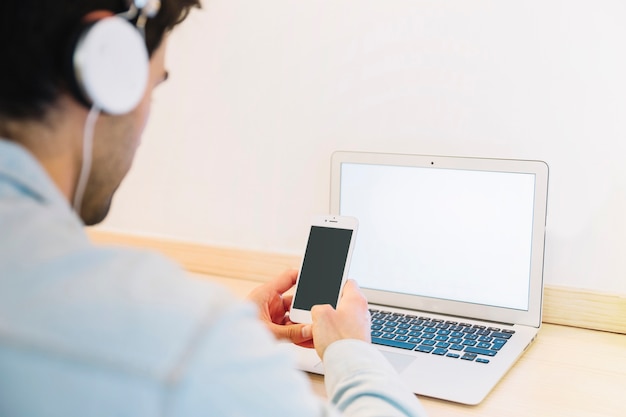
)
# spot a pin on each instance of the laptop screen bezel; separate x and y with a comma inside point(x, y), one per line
point(530, 317)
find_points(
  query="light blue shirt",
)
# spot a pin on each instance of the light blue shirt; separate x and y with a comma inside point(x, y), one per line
point(93, 331)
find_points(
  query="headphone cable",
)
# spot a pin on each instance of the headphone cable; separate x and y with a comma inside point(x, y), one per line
point(85, 169)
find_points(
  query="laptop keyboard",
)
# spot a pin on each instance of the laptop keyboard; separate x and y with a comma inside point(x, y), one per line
point(438, 337)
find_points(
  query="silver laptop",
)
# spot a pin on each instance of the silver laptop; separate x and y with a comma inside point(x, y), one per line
point(450, 256)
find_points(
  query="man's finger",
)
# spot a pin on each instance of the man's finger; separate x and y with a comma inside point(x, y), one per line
point(296, 333)
point(287, 299)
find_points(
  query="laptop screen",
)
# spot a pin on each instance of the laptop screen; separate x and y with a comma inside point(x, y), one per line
point(451, 235)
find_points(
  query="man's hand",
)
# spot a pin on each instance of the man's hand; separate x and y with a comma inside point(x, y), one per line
point(274, 307)
point(351, 319)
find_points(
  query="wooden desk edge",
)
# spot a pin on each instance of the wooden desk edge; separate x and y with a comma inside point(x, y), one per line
point(562, 305)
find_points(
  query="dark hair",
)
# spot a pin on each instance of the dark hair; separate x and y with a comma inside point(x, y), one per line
point(34, 38)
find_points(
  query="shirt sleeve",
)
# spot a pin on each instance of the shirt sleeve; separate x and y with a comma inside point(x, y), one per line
point(237, 368)
point(361, 382)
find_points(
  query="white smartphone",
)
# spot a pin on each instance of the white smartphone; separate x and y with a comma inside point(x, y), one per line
point(325, 265)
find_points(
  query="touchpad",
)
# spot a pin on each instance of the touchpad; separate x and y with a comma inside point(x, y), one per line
point(398, 360)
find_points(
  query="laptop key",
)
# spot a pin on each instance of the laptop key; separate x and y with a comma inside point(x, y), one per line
point(486, 352)
point(393, 343)
point(424, 349)
point(497, 346)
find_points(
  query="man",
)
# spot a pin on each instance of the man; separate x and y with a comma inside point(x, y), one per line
point(90, 331)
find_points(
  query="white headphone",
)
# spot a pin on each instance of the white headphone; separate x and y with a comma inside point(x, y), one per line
point(110, 63)
point(108, 71)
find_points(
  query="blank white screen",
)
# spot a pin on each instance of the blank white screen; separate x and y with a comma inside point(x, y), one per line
point(444, 233)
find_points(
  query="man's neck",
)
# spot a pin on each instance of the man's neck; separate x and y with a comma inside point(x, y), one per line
point(55, 141)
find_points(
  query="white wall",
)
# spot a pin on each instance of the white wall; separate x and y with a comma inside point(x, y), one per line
point(262, 92)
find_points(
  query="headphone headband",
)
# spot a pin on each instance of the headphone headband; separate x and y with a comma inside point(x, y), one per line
point(142, 10)
point(149, 8)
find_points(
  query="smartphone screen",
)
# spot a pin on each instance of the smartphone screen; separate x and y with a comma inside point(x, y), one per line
point(323, 267)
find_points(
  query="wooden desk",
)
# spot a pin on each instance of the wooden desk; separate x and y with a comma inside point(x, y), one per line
point(566, 372)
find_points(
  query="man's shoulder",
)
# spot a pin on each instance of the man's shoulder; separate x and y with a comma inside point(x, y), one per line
point(111, 307)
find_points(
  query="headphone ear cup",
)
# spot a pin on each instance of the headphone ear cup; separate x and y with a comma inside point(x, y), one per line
point(109, 66)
